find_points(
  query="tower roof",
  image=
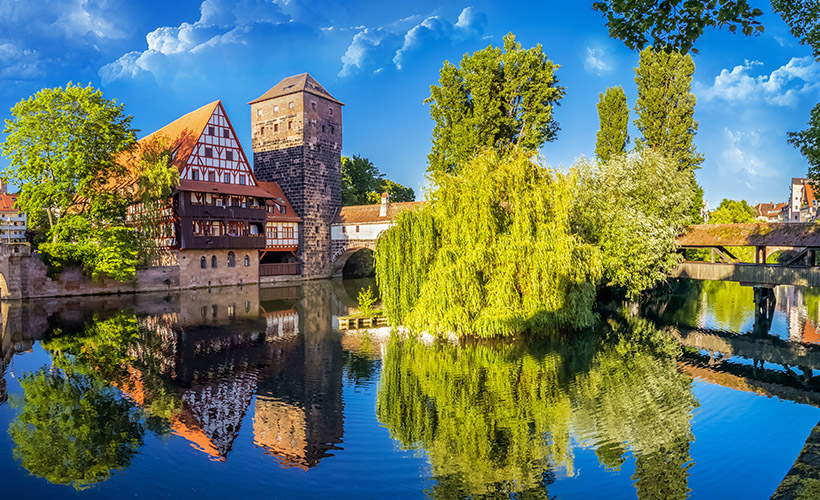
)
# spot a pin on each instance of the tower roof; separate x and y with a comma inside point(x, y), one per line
point(294, 84)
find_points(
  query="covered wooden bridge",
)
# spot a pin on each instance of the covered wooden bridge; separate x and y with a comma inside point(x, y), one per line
point(801, 240)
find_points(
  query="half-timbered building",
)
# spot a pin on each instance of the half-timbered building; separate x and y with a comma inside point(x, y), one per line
point(221, 220)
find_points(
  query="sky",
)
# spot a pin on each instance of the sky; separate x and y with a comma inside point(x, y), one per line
point(163, 59)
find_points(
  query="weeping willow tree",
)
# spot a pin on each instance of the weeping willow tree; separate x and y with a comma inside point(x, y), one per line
point(491, 255)
point(501, 418)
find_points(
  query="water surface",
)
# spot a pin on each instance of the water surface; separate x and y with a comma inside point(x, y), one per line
point(248, 392)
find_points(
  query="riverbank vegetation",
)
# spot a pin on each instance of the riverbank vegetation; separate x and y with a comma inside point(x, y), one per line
point(67, 149)
point(507, 245)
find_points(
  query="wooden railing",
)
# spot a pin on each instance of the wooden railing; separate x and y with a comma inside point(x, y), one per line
point(279, 269)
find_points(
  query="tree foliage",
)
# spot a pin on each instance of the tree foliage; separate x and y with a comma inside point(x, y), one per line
point(803, 18)
point(633, 208)
point(64, 147)
point(497, 257)
point(732, 212)
point(665, 111)
point(613, 116)
point(808, 143)
point(675, 25)
point(363, 183)
point(496, 98)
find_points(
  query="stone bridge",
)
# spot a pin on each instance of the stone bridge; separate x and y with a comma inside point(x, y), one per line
point(358, 227)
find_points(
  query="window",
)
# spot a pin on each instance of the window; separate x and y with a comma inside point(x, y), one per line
point(231, 259)
point(291, 105)
point(218, 201)
point(276, 108)
point(210, 131)
point(332, 130)
point(242, 180)
point(276, 127)
point(211, 177)
point(204, 308)
point(232, 311)
point(225, 133)
point(357, 229)
point(214, 309)
point(229, 155)
point(282, 209)
point(262, 130)
point(273, 231)
point(323, 129)
point(313, 105)
point(259, 112)
point(247, 264)
point(226, 178)
point(209, 152)
point(247, 302)
point(198, 228)
point(330, 110)
point(213, 265)
point(290, 125)
point(203, 263)
point(195, 175)
point(236, 228)
point(287, 232)
point(216, 228)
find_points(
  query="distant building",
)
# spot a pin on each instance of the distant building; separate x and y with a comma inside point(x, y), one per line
point(808, 203)
point(771, 212)
point(12, 220)
point(795, 198)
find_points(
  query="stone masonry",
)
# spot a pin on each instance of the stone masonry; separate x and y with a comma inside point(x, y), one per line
point(297, 143)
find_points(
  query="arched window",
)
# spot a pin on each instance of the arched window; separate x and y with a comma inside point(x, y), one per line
point(203, 263)
point(231, 259)
point(247, 261)
point(213, 261)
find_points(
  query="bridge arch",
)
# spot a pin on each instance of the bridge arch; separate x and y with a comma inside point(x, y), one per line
point(343, 255)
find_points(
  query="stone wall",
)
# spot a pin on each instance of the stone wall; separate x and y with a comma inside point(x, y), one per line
point(193, 275)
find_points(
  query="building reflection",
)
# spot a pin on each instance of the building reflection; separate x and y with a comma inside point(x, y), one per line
point(209, 361)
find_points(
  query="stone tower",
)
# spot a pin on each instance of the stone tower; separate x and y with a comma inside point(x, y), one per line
point(297, 143)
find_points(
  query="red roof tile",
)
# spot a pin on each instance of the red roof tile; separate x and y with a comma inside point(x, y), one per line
point(363, 214)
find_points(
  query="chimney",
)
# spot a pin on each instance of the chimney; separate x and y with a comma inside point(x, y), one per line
point(385, 205)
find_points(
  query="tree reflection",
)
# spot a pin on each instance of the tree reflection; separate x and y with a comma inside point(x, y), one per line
point(74, 425)
point(73, 428)
point(498, 420)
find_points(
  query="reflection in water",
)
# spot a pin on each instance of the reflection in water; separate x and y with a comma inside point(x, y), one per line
point(494, 419)
point(500, 418)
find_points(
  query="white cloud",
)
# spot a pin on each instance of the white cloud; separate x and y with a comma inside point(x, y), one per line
point(221, 23)
point(368, 47)
point(744, 154)
point(17, 63)
point(781, 87)
point(596, 61)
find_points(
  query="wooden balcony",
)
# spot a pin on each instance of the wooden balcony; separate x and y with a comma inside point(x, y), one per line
point(221, 242)
point(279, 269)
point(209, 212)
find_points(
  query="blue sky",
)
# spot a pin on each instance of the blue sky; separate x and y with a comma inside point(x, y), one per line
point(164, 59)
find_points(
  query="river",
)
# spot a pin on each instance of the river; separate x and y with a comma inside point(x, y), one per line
point(250, 393)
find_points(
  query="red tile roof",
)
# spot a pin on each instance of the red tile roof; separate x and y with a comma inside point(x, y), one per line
point(7, 201)
point(363, 214)
point(294, 84)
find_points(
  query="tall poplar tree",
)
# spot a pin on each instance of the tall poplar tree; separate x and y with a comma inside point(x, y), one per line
point(496, 98)
point(666, 109)
point(613, 115)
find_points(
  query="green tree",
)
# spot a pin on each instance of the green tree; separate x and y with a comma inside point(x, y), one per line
point(633, 208)
point(665, 109)
point(363, 183)
point(675, 25)
point(732, 212)
point(495, 98)
point(808, 142)
point(613, 116)
point(65, 147)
